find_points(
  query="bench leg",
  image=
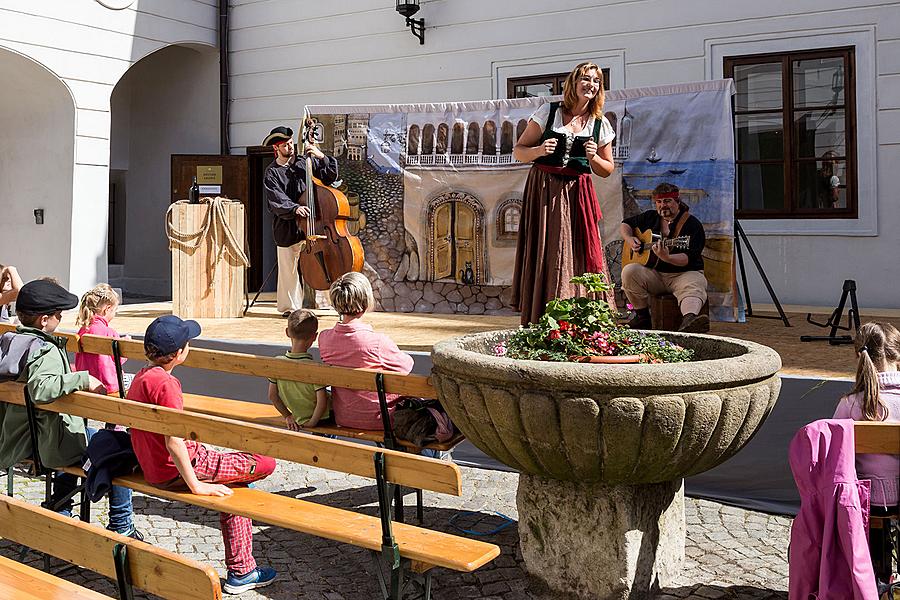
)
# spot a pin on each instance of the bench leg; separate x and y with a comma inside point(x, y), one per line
point(420, 506)
point(9, 482)
point(398, 503)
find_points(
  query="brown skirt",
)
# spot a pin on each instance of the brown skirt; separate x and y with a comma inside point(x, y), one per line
point(549, 251)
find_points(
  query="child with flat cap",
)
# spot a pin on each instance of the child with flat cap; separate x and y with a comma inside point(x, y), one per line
point(173, 463)
point(62, 439)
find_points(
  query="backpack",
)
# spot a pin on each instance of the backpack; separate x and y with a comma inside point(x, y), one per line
point(15, 348)
point(421, 421)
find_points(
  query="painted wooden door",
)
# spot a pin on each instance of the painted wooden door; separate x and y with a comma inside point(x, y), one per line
point(464, 239)
point(443, 241)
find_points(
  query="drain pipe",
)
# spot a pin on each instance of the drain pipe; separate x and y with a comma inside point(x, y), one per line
point(224, 100)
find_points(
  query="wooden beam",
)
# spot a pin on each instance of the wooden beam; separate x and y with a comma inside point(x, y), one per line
point(877, 437)
point(410, 470)
point(276, 368)
point(71, 338)
point(21, 582)
point(153, 569)
point(424, 546)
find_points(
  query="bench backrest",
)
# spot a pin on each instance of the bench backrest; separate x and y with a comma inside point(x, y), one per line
point(152, 569)
point(877, 437)
point(260, 366)
point(405, 469)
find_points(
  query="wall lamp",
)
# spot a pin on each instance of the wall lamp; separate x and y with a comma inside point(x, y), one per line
point(408, 8)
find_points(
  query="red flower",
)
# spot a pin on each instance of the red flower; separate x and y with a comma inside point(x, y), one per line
point(564, 325)
point(555, 335)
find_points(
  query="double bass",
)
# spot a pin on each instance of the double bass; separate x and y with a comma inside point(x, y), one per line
point(330, 250)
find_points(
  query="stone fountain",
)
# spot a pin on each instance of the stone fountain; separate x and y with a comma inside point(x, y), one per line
point(602, 450)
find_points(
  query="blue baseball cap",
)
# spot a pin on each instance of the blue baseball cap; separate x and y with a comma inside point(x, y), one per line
point(169, 333)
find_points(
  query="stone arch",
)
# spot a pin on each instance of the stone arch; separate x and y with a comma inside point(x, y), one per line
point(508, 215)
point(38, 115)
point(166, 103)
point(506, 138)
point(458, 140)
point(489, 138)
point(446, 261)
point(428, 139)
point(472, 138)
point(412, 140)
point(443, 132)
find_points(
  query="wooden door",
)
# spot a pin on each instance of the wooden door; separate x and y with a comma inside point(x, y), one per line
point(464, 238)
point(442, 242)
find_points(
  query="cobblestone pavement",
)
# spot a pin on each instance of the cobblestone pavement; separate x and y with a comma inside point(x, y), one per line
point(730, 553)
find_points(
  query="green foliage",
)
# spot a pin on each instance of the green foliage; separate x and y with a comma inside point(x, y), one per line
point(586, 326)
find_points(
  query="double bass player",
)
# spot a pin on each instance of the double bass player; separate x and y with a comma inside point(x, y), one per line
point(285, 182)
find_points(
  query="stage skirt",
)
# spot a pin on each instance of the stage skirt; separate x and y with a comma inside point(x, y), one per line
point(558, 214)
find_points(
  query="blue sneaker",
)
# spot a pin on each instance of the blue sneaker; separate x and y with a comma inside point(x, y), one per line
point(257, 578)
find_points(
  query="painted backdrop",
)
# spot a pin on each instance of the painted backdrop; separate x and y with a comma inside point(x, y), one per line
point(436, 194)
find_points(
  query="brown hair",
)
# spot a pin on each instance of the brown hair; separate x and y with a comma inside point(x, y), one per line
point(93, 302)
point(876, 344)
point(570, 87)
point(28, 319)
point(156, 356)
point(302, 324)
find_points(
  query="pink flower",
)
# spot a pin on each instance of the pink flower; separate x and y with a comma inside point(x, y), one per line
point(629, 306)
point(500, 349)
point(555, 335)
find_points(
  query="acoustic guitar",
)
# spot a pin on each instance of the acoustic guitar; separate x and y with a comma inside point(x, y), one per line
point(644, 255)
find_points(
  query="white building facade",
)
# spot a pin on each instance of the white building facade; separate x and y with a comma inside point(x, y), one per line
point(286, 54)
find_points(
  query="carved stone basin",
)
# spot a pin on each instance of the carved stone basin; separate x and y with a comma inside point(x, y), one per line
point(602, 449)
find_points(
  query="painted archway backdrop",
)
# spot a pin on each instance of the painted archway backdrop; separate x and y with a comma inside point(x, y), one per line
point(436, 194)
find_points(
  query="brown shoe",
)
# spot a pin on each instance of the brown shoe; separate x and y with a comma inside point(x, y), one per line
point(694, 323)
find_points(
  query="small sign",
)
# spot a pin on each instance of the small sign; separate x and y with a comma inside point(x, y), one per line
point(210, 190)
point(209, 174)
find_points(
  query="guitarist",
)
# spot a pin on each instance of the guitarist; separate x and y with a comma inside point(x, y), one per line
point(677, 272)
point(284, 182)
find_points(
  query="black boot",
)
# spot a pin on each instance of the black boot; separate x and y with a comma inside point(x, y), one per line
point(640, 319)
point(694, 323)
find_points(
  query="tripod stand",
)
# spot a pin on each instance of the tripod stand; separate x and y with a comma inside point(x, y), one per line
point(834, 321)
point(737, 246)
point(249, 305)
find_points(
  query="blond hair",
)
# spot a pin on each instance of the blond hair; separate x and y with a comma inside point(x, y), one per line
point(351, 294)
point(570, 90)
point(94, 301)
point(876, 344)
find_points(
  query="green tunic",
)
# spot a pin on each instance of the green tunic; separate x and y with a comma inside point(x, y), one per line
point(61, 438)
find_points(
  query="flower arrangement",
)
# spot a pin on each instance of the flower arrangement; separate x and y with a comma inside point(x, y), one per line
point(575, 329)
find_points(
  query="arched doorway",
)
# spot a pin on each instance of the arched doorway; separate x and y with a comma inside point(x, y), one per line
point(412, 140)
point(37, 162)
point(456, 237)
point(166, 103)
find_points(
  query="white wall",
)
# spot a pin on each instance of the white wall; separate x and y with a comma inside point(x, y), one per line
point(89, 47)
point(37, 127)
point(288, 54)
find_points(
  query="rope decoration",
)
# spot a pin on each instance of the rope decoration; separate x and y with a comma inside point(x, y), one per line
point(214, 225)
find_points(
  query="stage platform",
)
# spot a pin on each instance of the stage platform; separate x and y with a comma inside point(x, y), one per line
point(418, 332)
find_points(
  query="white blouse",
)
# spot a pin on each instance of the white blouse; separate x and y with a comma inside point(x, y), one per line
point(540, 116)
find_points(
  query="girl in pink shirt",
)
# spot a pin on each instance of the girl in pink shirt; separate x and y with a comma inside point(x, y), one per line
point(97, 309)
point(352, 343)
point(876, 397)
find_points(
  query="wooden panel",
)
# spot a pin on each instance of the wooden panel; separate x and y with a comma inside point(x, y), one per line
point(71, 338)
point(423, 545)
point(21, 582)
point(205, 282)
point(152, 569)
point(266, 414)
point(877, 438)
point(275, 368)
point(410, 470)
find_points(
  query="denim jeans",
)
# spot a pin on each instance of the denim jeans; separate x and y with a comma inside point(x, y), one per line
point(121, 515)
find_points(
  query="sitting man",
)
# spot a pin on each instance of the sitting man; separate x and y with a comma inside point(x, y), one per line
point(676, 271)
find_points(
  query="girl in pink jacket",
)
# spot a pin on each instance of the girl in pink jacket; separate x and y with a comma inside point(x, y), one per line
point(97, 309)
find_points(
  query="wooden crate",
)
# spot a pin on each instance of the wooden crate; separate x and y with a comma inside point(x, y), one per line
point(192, 270)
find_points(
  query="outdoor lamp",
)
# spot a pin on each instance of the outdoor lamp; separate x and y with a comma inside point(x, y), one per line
point(408, 8)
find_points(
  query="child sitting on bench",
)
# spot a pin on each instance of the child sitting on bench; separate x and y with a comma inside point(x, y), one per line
point(97, 309)
point(173, 463)
point(353, 343)
point(62, 439)
point(301, 404)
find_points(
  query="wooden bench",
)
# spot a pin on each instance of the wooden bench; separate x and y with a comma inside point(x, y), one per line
point(404, 546)
point(878, 438)
point(124, 560)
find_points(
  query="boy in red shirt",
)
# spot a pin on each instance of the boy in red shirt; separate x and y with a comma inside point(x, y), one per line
point(173, 463)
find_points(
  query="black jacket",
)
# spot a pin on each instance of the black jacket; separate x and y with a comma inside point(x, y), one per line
point(284, 185)
point(109, 454)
